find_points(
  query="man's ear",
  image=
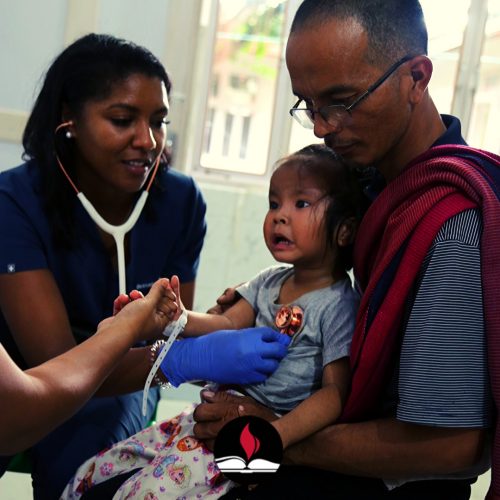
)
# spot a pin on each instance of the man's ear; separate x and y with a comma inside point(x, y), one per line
point(347, 232)
point(421, 72)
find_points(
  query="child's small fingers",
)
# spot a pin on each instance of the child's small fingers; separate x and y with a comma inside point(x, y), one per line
point(120, 302)
point(176, 285)
point(135, 294)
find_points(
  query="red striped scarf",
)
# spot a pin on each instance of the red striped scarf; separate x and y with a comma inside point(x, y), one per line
point(394, 237)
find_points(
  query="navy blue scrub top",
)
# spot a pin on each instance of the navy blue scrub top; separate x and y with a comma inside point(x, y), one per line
point(166, 240)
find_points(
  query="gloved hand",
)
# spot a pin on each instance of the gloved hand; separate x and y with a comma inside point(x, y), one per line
point(246, 356)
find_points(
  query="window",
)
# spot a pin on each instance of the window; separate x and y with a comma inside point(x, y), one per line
point(445, 40)
point(245, 65)
point(243, 125)
point(485, 116)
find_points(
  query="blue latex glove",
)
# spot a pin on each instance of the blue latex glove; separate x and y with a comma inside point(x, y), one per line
point(246, 356)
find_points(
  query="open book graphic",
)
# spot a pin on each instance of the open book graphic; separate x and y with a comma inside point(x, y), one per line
point(234, 463)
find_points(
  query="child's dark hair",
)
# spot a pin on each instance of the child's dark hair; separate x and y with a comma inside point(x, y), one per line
point(86, 70)
point(341, 187)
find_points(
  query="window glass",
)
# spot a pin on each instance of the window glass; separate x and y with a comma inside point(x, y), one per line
point(485, 118)
point(300, 136)
point(245, 65)
point(445, 41)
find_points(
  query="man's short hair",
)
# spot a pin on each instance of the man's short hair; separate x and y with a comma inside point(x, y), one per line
point(395, 28)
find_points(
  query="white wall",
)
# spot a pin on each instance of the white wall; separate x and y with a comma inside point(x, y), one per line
point(234, 248)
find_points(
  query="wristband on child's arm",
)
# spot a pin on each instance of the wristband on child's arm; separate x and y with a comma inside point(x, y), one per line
point(158, 353)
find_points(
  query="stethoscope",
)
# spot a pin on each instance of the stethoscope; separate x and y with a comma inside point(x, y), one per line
point(118, 232)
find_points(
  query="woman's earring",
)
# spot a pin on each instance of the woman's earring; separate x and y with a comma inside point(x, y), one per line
point(68, 134)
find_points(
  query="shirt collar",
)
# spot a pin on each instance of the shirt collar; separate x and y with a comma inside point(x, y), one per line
point(453, 132)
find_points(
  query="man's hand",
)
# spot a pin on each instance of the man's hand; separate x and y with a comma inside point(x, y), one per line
point(220, 408)
point(228, 298)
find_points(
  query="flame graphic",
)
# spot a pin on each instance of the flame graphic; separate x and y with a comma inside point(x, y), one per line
point(249, 442)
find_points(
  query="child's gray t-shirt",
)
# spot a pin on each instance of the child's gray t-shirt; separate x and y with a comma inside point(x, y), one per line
point(328, 326)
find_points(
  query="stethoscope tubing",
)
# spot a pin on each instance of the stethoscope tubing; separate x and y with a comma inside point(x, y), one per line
point(118, 232)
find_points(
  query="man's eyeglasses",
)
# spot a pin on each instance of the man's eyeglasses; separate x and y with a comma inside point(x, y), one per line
point(337, 113)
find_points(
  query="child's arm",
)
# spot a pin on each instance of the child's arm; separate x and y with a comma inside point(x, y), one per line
point(240, 315)
point(320, 409)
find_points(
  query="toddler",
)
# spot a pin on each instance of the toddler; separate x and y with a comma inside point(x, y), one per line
point(314, 207)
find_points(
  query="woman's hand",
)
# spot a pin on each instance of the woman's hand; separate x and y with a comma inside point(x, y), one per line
point(217, 409)
point(173, 300)
point(148, 315)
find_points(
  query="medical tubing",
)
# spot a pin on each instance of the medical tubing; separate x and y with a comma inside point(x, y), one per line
point(118, 232)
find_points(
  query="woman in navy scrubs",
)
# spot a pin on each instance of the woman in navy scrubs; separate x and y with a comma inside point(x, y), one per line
point(59, 270)
point(101, 116)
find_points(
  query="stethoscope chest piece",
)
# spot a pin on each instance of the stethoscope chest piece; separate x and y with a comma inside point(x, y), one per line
point(289, 320)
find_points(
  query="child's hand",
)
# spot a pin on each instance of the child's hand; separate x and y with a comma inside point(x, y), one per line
point(176, 287)
point(123, 299)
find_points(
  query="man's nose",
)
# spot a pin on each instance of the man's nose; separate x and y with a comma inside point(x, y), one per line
point(322, 128)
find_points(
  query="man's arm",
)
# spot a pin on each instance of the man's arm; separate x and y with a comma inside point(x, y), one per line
point(390, 449)
point(377, 448)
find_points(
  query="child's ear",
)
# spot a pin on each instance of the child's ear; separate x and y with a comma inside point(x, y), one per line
point(347, 232)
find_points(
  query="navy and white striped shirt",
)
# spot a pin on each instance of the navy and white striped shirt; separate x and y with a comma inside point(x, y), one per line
point(443, 376)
